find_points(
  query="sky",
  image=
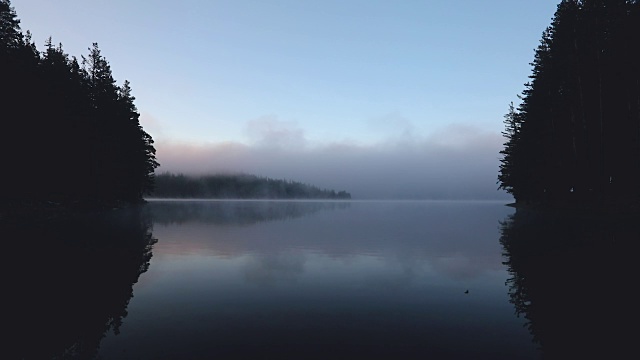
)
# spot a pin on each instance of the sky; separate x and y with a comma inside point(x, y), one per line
point(381, 98)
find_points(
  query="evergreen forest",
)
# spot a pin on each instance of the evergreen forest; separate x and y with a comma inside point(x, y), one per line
point(574, 139)
point(169, 185)
point(70, 135)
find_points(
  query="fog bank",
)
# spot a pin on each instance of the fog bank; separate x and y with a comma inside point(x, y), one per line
point(459, 162)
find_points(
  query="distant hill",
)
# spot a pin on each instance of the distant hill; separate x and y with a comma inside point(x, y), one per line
point(168, 185)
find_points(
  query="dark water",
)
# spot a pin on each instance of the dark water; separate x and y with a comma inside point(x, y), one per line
point(339, 280)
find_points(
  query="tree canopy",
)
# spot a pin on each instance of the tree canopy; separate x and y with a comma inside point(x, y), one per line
point(575, 136)
point(70, 134)
point(223, 186)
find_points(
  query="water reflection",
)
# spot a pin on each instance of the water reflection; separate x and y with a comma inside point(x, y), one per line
point(456, 238)
point(361, 280)
point(272, 269)
point(71, 281)
point(572, 279)
point(236, 212)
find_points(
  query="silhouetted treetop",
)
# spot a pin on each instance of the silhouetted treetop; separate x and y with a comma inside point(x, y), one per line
point(11, 37)
point(575, 137)
point(69, 134)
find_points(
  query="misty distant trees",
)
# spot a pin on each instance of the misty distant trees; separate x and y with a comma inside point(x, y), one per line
point(575, 137)
point(170, 185)
point(68, 133)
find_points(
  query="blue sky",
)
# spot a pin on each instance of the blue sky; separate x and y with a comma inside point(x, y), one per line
point(317, 91)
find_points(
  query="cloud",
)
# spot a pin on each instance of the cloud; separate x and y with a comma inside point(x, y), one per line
point(456, 162)
point(394, 126)
point(269, 132)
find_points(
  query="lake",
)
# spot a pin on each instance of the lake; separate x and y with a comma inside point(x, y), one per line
point(313, 279)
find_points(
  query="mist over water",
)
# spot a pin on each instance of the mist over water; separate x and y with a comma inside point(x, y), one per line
point(299, 279)
point(320, 279)
point(458, 162)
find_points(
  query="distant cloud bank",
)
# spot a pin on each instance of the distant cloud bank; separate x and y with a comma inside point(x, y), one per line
point(457, 162)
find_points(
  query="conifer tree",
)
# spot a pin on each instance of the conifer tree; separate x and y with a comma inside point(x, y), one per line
point(69, 133)
point(11, 37)
point(579, 139)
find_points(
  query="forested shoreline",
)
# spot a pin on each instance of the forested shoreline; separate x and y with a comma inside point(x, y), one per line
point(237, 186)
point(71, 136)
point(574, 140)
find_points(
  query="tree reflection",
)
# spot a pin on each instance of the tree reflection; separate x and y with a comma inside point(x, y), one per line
point(237, 212)
point(571, 278)
point(69, 281)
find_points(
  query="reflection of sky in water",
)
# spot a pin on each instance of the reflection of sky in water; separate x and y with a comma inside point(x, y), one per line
point(401, 266)
point(458, 239)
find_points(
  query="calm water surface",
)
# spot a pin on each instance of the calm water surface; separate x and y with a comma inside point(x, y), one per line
point(338, 279)
point(327, 280)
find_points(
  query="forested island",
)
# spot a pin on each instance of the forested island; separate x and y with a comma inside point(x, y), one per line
point(237, 186)
point(70, 135)
point(574, 140)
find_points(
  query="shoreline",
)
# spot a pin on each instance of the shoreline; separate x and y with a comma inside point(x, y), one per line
point(572, 209)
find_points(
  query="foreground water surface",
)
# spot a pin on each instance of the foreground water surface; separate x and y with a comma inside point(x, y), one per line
point(307, 279)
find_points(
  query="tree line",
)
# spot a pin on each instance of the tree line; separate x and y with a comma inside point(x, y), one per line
point(222, 186)
point(70, 134)
point(575, 137)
